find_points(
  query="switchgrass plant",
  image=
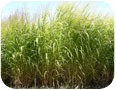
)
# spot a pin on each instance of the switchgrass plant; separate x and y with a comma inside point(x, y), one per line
point(74, 48)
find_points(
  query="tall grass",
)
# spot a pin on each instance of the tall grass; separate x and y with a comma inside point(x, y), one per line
point(73, 48)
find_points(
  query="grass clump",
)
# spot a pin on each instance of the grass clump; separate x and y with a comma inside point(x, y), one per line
point(73, 48)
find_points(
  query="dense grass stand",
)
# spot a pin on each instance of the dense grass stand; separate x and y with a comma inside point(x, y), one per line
point(74, 48)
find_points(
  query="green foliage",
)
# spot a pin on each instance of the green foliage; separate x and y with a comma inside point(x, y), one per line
point(72, 48)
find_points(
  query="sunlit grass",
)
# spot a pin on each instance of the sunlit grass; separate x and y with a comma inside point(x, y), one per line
point(74, 48)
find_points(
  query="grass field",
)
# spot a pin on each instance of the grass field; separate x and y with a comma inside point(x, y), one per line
point(74, 48)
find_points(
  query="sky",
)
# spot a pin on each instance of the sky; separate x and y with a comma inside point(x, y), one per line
point(37, 6)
